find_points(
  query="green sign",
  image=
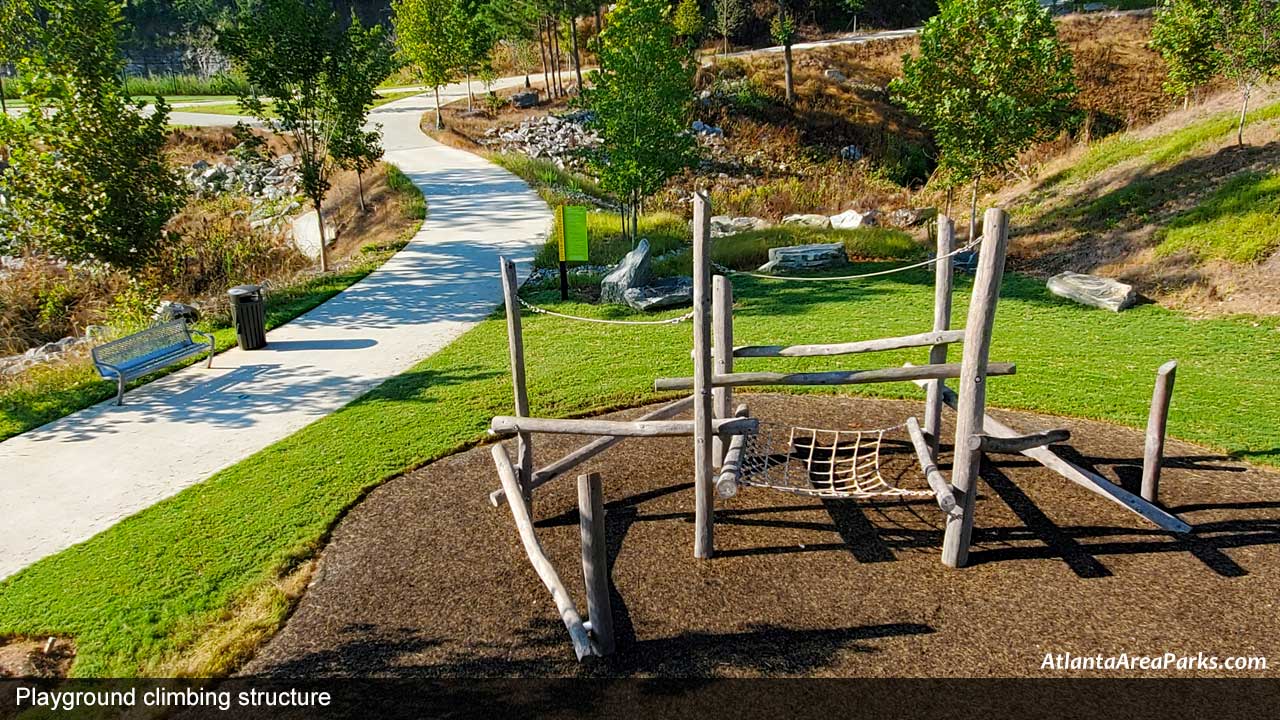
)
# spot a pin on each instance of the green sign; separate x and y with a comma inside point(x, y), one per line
point(573, 229)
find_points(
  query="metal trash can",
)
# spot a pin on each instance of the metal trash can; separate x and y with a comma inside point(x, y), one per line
point(250, 318)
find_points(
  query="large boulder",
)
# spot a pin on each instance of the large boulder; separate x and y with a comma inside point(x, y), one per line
point(910, 217)
point(661, 294)
point(850, 219)
point(632, 272)
point(725, 225)
point(819, 256)
point(525, 99)
point(169, 310)
point(1093, 290)
point(818, 221)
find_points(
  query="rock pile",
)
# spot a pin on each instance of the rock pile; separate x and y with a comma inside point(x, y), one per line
point(559, 139)
point(264, 178)
point(44, 354)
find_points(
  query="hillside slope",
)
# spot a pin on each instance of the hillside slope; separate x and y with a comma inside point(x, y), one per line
point(1177, 208)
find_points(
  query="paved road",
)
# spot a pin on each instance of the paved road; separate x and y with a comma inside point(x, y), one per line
point(69, 480)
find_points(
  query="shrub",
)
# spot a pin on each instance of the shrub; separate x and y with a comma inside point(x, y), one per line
point(43, 301)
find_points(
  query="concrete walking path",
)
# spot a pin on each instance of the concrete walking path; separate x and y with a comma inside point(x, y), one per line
point(65, 482)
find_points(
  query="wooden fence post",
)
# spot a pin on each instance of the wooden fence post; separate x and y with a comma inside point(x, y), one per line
point(595, 561)
point(703, 480)
point(515, 342)
point(1157, 420)
point(943, 270)
point(972, 384)
point(722, 330)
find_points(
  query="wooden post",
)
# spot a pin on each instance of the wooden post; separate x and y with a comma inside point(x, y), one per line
point(973, 384)
point(704, 531)
point(595, 561)
point(722, 331)
point(1157, 420)
point(943, 274)
point(515, 343)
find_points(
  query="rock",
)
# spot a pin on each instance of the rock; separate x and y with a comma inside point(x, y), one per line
point(525, 99)
point(632, 272)
point(818, 221)
point(834, 74)
point(852, 153)
point(850, 219)
point(1093, 290)
point(702, 128)
point(725, 225)
point(806, 257)
point(169, 310)
point(200, 165)
point(910, 217)
point(661, 294)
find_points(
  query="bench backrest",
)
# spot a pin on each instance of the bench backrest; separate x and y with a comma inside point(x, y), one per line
point(143, 346)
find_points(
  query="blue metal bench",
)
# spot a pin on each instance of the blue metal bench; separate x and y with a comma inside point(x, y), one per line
point(145, 352)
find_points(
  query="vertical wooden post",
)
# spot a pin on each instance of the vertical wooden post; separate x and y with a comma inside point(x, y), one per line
point(943, 274)
point(973, 384)
point(722, 331)
point(515, 342)
point(595, 561)
point(1157, 420)
point(703, 480)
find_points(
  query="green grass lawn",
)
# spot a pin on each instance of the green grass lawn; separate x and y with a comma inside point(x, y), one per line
point(1236, 223)
point(158, 584)
point(233, 108)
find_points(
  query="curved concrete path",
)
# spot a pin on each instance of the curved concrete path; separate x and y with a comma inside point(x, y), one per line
point(71, 479)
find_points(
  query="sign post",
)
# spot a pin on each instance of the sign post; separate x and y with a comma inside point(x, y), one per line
point(573, 241)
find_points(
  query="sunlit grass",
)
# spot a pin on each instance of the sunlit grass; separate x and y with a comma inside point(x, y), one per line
point(1236, 223)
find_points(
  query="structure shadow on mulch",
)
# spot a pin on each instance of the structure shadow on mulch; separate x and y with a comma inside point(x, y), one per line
point(425, 578)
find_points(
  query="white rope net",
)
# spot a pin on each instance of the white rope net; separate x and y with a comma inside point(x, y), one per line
point(820, 463)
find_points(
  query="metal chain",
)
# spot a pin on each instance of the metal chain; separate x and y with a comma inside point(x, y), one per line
point(543, 311)
point(877, 273)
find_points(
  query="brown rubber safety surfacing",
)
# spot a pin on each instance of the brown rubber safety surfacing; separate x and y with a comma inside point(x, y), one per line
point(426, 578)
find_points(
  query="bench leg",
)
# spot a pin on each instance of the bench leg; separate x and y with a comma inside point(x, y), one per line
point(119, 390)
point(209, 363)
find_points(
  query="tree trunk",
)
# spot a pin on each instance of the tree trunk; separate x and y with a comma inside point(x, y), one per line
point(1244, 112)
point(360, 188)
point(439, 121)
point(324, 249)
point(559, 62)
point(973, 211)
point(542, 51)
point(599, 28)
point(470, 97)
point(577, 60)
point(786, 71)
point(4, 109)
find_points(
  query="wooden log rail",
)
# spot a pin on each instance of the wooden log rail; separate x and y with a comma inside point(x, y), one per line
point(538, 557)
point(590, 450)
point(1090, 481)
point(1015, 445)
point(507, 426)
point(928, 339)
point(731, 469)
point(838, 377)
point(941, 488)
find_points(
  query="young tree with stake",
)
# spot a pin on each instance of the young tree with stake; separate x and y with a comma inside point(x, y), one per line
point(783, 30)
point(431, 37)
point(726, 17)
point(990, 80)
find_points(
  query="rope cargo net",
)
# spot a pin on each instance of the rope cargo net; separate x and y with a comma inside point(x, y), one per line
point(820, 463)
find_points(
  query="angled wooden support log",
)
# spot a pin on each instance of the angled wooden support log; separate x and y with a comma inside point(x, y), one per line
point(838, 377)
point(538, 557)
point(941, 488)
point(928, 339)
point(731, 470)
point(590, 450)
point(1090, 481)
point(1157, 420)
point(1015, 445)
point(507, 425)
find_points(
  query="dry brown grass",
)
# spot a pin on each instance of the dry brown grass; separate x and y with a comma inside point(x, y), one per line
point(36, 657)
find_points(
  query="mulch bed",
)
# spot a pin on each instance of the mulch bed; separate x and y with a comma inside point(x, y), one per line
point(425, 578)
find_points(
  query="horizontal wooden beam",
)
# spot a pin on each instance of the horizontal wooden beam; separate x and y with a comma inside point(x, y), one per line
point(1015, 445)
point(942, 489)
point(1090, 481)
point(538, 557)
point(590, 450)
point(507, 425)
point(837, 377)
point(731, 469)
point(929, 339)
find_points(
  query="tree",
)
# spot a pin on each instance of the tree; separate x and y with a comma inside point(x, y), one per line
point(18, 19)
point(783, 30)
point(642, 96)
point(726, 17)
point(477, 37)
point(853, 7)
point(429, 34)
point(1189, 52)
point(319, 75)
point(366, 62)
point(990, 80)
point(689, 21)
point(87, 177)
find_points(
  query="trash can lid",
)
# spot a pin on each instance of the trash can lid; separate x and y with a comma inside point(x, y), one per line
point(242, 290)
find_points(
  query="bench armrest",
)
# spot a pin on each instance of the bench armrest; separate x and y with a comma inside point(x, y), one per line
point(100, 365)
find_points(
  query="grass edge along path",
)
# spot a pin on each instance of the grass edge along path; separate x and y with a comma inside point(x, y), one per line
point(199, 575)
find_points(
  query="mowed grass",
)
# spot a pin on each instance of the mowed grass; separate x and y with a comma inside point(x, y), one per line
point(144, 595)
point(233, 108)
point(1236, 223)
